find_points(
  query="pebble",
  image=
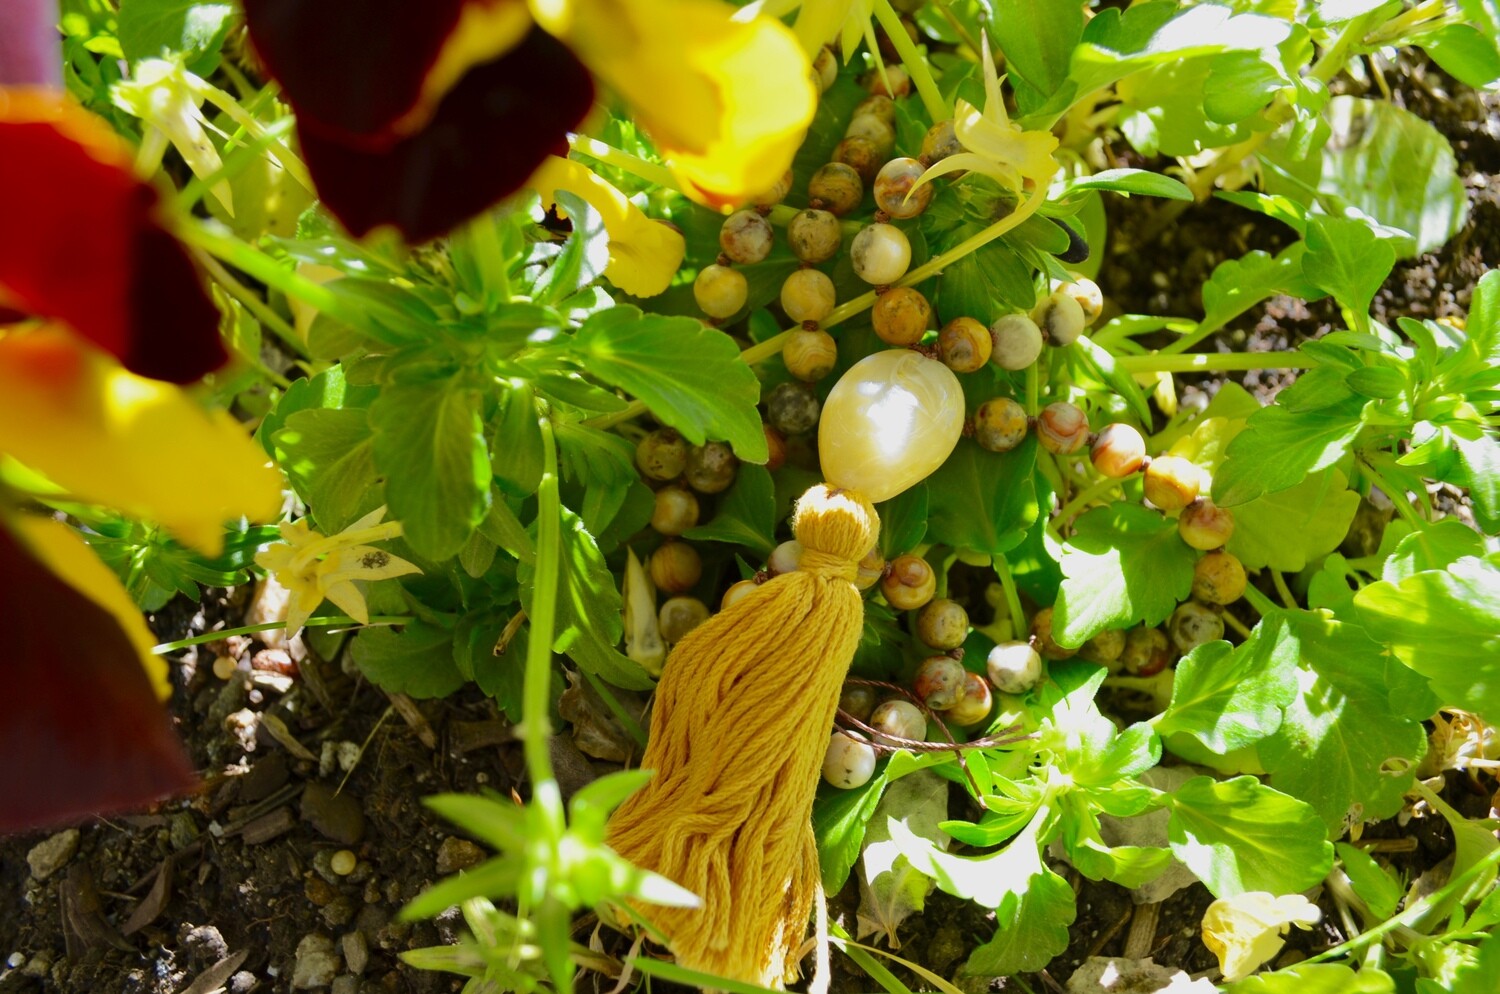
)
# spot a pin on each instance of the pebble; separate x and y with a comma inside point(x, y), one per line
point(336, 816)
point(356, 951)
point(243, 982)
point(316, 964)
point(457, 854)
point(206, 944)
point(52, 853)
point(345, 985)
point(14, 960)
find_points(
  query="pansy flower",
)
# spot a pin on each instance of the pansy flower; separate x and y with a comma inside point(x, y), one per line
point(421, 115)
point(101, 311)
point(1246, 930)
point(996, 146)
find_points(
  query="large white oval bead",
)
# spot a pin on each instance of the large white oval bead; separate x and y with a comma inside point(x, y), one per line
point(889, 422)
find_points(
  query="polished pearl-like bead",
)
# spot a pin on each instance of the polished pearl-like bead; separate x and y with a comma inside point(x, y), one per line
point(889, 423)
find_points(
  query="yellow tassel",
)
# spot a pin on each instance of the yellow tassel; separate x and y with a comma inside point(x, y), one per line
point(740, 726)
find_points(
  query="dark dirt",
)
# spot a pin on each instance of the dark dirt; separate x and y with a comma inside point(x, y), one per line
point(248, 859)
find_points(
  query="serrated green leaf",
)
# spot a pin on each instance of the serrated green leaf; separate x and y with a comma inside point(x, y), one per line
point(328, 455)
point(1348, 261)
point(890, 889)
point(690, 376)
point(1316, 978)
point(417, 661)
point(1291, 528)
point(1339, 728)
point(1228, 698)
point(1435, 546)
point(984, 501)
point(839, 822)
point(430, 446)
point(1037, 37)
point(993, 280)
point(903, 521)
point(1239, 284)
point(1479, 456)
point(1240, 835)
point(1124, 565)
point(746, 514)
point(1280, 447)
point(1465, 53)
point(1380, 382)
point(1445, 624)
point(1375, 885)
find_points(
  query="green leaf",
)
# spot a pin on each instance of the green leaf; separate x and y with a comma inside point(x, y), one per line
point(1479, 455)
point(151, 29)
point(583, 256)
point(690, 376)
point(890, 889)
point(1240, 835)
point(992, 280)
point(1239, 284)
point(1375, 885)
point(1037, 37)
point(1340, 727)
point(430, 446)
point(839, 822)
point(1124, 565)
point(1228, 698)
point(1316, 978)
point(747, 513)
point(417, 661)
point(1348, 261)
point(1445, 624)
point(327, 454)
point(1465, 53)
point(1385, 162)
point(1291, 528)
point(1280, 447)
point(1435, 546)
point(516, 453)
point(1129, 181)
point(983, 501)
point(1284, 209)
point(903, 521)
point(589, 622)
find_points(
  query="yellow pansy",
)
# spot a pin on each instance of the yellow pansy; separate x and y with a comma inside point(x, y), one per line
point(314, 566)
point(1246, 930)
point(643, 254)
point(107, 436)
point(997, 146)
point(727, 102)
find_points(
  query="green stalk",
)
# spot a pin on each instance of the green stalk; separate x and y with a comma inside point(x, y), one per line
point(1167, 361)
point(323, 621)
point(651, 172)
point(536, 704)
point(210, 237)
point(1012, 595)
point(1088, 496)
point(1396, 494)
point(255, 306)
point(1263, 605)
point(916, 63)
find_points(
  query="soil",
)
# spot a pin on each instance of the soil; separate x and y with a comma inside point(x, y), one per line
point(234, 888)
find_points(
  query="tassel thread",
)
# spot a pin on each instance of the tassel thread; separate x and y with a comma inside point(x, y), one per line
point(740, 726)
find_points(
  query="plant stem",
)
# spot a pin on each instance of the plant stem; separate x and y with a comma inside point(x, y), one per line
point(1203, 362)
point(323, 621)
point(1262, 604)
point(916, 63)
point(1282, 590)
point(255, 306)
point(1396, 494)
point(1236, 624)
point(210, 237)
point(957, 26)
point(536, 704)
point(651, 172)
point(1087, 496)
point(1012, 595)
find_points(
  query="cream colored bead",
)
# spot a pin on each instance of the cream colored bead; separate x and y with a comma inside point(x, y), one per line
point(889, 423)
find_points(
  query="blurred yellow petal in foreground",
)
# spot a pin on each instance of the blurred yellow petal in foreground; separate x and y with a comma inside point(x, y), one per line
point(643, 254)
point(107, 436)
point(61, 550)
point(728, 103)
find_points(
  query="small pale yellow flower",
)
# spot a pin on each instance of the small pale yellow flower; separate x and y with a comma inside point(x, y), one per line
point(314, 566)
point(1246, 930)
point(167, 98)
point(643, 253)
point(997, 146)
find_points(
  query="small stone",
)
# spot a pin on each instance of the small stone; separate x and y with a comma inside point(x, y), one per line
point(52, 853)
point(39, 965)
point(14, 960)
point(205, 944)
point(338, 912)
point(243, 982)
point(348, 755)
point(345, 985)
point(318, 891)
point(356, 951)
point(316, 964)
point(181, 830)
point(336, 816)
point(457, 854)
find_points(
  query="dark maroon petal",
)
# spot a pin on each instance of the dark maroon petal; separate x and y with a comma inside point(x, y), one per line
point(80, 242)
point(485, 139)
point(353, 66)
point(80, 729)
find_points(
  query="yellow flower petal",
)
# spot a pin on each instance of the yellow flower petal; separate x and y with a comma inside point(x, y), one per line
point(643, 254)
point(62, 551)
point(143, 446)
point(1246, 930)
point(350, 600)
point(729, 103)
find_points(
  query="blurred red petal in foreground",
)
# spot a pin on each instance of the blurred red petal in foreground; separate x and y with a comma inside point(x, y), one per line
point(81, 242)
point(81, 731)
